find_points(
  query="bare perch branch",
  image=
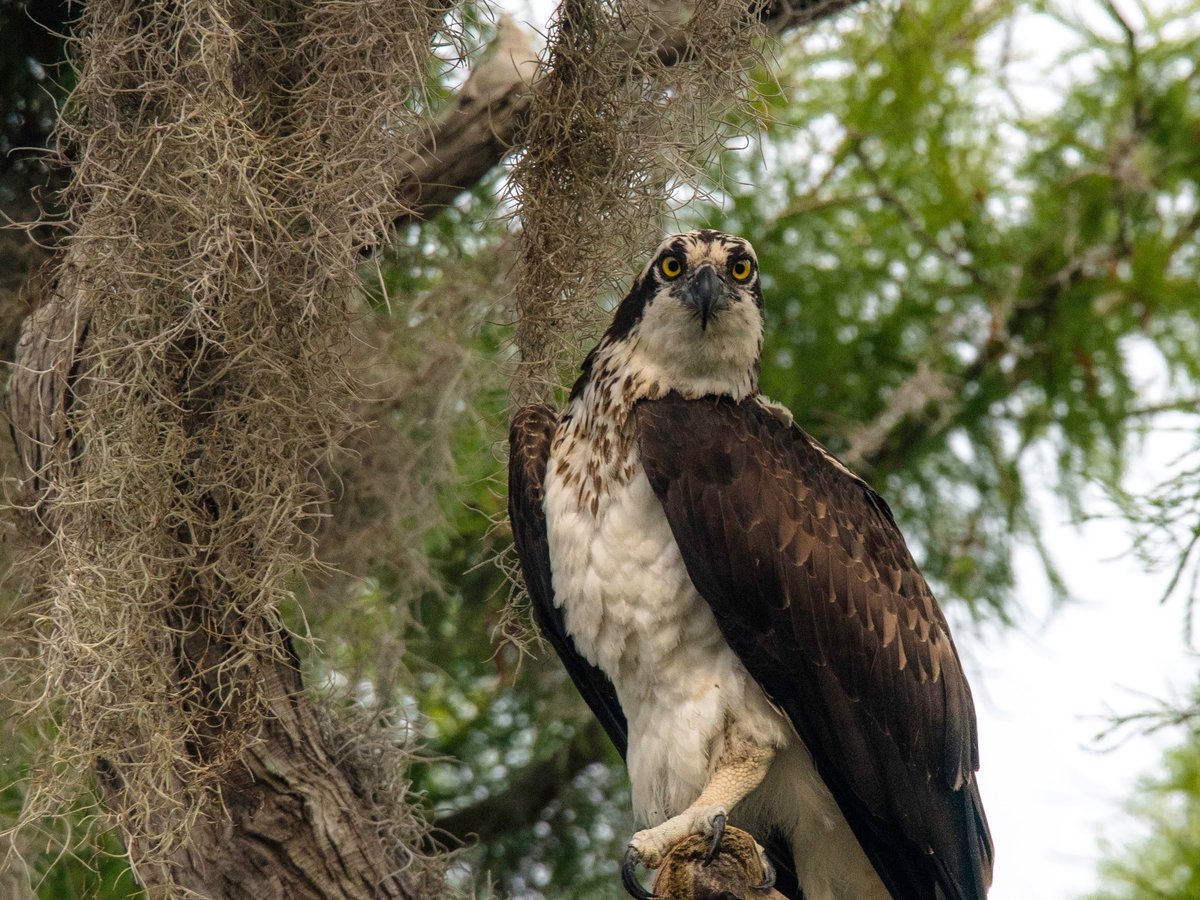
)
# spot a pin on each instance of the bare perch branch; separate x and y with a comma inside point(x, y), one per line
point(684, 875)
point(476, 132)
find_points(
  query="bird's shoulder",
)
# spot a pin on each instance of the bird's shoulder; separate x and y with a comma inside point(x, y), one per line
point(780, 534)
point(749, 434)
point(815, 589)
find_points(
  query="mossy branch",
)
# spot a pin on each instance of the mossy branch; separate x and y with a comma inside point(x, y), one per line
point(489, 114)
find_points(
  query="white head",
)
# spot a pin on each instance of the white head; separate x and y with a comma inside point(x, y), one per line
point(693, 321)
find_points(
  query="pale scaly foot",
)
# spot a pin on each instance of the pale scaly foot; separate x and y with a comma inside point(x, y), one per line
point(739, 771)
point(652, 844)
point(649, 846)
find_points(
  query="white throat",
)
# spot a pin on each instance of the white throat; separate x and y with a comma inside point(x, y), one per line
point(668, 351)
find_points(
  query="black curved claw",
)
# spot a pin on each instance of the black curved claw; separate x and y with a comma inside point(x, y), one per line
point(718, 826)
point(768, 881)
point(629, 877)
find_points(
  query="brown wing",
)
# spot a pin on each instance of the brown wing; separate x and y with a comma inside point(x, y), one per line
point(815, 590)
point(529, 443)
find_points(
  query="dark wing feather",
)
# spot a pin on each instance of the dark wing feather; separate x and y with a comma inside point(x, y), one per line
point(529, 442)
point(815, 590)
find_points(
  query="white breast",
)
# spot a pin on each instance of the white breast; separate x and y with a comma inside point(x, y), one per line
point(632, 610)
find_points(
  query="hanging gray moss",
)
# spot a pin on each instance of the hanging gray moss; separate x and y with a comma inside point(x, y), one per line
point(626, 113)
point(228, 161)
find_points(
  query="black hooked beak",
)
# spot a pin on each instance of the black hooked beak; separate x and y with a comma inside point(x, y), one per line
point(704, 290)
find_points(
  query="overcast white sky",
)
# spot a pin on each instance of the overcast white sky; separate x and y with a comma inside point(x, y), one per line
point(1054, 796)
point(1044, 690)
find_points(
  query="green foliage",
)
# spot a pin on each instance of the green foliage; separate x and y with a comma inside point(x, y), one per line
point(75, 857)
point(32, 82)
point(1165, 865)
point(98, 870)
point(994, 276)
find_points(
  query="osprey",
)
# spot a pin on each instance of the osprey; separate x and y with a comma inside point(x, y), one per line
point(740, 610)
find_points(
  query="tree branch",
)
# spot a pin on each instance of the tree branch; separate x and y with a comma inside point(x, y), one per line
point(957, 257)
point(485, 122)
point(928, 403)
point(476, 132)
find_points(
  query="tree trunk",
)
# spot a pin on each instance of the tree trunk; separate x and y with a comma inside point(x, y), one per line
point(298, 825)
point(171, 398)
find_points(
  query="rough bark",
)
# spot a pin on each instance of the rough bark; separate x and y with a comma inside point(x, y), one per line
point(39, 394)
point(298, 827)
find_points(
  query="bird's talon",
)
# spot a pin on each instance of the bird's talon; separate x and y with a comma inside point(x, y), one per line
point(768, 881)
point(718, 831)
point(629, 877)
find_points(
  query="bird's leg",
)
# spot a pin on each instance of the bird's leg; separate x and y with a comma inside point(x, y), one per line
point(740, 770)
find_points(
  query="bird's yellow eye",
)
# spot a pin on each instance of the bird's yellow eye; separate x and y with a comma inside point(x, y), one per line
point(741, 270)
point(670, 266)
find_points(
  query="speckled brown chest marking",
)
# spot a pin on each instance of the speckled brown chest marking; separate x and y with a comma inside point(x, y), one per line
point(594, 445)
